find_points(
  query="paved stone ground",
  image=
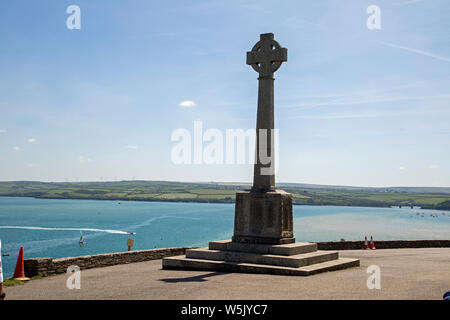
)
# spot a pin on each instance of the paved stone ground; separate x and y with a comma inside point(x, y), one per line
point(405, 274)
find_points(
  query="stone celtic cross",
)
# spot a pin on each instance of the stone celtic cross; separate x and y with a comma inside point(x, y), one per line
point(265, 58)
point(263, 238)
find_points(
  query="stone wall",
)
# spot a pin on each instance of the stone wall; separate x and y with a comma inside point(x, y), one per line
point(47, 266)
point(384, 244)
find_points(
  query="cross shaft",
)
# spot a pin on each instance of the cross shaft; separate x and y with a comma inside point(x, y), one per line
point(265, 58)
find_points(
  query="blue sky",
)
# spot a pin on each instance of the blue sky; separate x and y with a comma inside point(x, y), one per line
point(354, 106)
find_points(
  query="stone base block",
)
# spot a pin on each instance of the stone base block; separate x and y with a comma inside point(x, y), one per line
point(263, 218)
point(283, 250)
point(183, 263)
point(288, 259)
point(294, 261)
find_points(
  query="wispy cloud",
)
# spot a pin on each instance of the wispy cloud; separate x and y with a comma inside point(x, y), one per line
point(345, 116)
point(382, 113)
point(359, 100)
point(132, 147)
point(2, 131)
point(187, 104)
point(31, 165)
point(421, 52)
point(411, 2)
point(402, 168)
point(83, 159)
point(16, 148)
point(361, 93)
point(31, 140)
point(433, 166)
point(295, 21)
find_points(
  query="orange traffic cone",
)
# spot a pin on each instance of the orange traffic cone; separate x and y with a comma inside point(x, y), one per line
point(372, 244)
point(365, 246)
point(19, 272)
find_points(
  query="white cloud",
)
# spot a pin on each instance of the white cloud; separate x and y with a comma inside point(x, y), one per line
point(31, 140)
point(31, 165)
point(187, 104)
point(83, 159)
point(402, 168)
point(17, 148)
point(2, 131)
point(433, 166)
point(131, 147)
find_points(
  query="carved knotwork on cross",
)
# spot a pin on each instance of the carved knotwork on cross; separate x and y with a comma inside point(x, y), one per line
point(266, 56)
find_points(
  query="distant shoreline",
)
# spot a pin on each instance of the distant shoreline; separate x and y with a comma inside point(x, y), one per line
point(215, 201)
point(166, 191)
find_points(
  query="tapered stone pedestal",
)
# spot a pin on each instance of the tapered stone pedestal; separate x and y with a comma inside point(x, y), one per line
point(299, 259)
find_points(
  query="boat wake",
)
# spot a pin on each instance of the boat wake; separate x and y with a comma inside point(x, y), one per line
point(66, 229)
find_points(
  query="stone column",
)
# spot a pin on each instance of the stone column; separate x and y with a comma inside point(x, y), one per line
point(265, 121)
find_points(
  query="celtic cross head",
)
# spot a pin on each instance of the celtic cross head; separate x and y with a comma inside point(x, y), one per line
point(266, 56)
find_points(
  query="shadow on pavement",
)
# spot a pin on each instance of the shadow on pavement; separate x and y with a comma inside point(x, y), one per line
point(199, 278)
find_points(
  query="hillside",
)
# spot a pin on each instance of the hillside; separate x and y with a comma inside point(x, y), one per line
point(432, 198)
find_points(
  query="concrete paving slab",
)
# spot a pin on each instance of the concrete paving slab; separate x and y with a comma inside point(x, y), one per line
point(405, 274)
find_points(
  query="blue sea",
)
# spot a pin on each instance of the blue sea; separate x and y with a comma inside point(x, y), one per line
point(51, 228)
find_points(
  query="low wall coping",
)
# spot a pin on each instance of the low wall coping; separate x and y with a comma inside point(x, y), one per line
point(45, 266)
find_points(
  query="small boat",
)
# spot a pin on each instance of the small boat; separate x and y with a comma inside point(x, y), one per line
point(82, 241)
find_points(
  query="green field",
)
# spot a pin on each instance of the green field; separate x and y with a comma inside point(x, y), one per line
point(432, 198)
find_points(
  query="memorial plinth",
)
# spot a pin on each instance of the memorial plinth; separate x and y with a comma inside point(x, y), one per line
point(263, 239)
point(263, 217)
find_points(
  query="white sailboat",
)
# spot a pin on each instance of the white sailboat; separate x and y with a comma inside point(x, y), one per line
point(82, 241)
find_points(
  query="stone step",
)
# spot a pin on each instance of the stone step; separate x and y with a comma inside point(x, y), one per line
point(294, 261)
point(279, 249)
point(183, 263)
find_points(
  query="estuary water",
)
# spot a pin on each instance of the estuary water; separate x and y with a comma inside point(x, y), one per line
point(51, 228)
